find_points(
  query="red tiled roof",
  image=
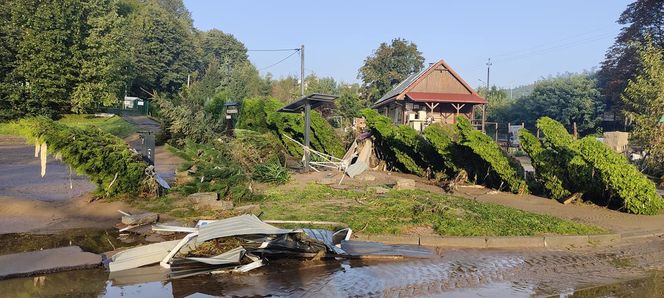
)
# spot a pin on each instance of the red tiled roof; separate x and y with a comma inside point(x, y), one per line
point(445, 97)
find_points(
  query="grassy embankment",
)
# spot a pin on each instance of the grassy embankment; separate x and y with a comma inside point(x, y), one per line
point(400, 211)
point(395, 212)
point(114, 125)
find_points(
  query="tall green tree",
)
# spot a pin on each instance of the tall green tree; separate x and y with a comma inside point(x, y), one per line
point(389, 65)
point(644, 105)
point(224, 48)
point(163, 51)
point(105, 59)
point(314, 84)
point(641, 18)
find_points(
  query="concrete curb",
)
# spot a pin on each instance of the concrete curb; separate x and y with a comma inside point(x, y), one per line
point(553, 241)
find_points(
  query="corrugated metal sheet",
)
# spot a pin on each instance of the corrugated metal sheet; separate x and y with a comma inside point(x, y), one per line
point(247, 224)
point(232, 256)
point(141, 256)
point(325, 237)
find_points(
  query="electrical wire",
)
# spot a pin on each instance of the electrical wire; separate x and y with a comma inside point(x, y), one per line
point(273, 50)
point(282, 60)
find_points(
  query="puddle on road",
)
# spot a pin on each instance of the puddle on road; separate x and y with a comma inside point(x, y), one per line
point(453, 273)
point(92, 240)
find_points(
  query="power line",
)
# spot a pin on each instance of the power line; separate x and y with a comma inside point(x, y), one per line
point(282, 60)
point(273, 50)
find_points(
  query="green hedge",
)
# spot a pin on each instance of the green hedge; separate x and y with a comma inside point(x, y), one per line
point(498, 167)
point(445, 150)
point(564, 166)
point(101, 156)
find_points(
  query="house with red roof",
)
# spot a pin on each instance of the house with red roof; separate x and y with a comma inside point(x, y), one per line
point(436, 94)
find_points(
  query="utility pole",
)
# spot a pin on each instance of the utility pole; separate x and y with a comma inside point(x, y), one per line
point(488, 71)
point(302, 70)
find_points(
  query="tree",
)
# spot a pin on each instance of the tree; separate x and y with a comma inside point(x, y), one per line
point(315, 84)
point(499, 105)
point(286, 89)
point(567, 99)
point(222, 47)
point(163, 53)
point(641, 18)
point(104, 61)
point(389, 65)
point(349, 102)
point(644, 105)
point(48, 55)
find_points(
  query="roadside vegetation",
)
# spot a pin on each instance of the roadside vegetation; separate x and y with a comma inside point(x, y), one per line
point(401, 211)
point(113, 125)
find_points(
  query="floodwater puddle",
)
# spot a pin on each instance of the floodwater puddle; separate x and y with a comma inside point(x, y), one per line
point(449, 272)
point(91, 240)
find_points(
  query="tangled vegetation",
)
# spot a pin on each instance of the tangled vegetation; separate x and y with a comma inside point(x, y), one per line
point(444, 151)
point(228, 166)
point(260, 114)
point(107, 160)
point(565, 166)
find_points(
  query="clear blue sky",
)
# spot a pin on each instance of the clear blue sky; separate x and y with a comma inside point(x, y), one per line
point(526, 40)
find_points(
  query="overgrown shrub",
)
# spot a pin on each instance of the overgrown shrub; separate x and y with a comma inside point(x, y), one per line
point(228, 165)
point(549, 174)
point(104, 158)
point(260, 114)
point(620, 180)
point(565, 166)
point(401, 147)
point(498, 168)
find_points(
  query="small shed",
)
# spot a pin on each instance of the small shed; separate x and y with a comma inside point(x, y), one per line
point(131, 103)
point(435, 94)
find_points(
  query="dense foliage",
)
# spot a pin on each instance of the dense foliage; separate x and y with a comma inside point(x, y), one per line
point(443, 151)
point(389, 65)
point(260, 114)
point(640, 19)
point(569, 99)
point(229, 165)
point(644, 106)
point(492, 166)
point(104, 158)
point(564, 166)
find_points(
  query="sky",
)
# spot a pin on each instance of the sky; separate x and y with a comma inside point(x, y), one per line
point(526, 40)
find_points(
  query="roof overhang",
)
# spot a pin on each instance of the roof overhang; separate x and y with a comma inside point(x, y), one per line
point(445, 97)
point(315, 100)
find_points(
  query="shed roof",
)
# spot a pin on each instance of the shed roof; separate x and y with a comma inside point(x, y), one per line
point(403, 89)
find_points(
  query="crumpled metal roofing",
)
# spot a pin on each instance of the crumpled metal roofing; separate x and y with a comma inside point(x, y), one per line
point(247, 224)
point(141, 256)
point(232, 256)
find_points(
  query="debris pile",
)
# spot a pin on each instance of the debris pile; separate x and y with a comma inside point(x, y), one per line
point(236, 244)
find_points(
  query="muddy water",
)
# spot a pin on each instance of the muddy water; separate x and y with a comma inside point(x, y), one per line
point(625, 271)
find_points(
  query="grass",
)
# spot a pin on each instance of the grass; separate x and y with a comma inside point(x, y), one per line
point(114, 125)
point(399, 211)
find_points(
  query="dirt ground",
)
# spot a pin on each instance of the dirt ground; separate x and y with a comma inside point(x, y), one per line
point(31, 203)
